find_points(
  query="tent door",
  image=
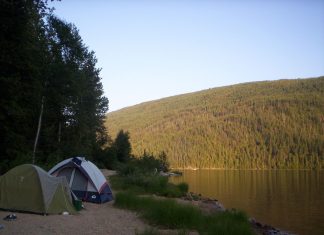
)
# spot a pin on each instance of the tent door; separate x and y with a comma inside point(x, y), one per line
point(72, 178)
point(79, 182)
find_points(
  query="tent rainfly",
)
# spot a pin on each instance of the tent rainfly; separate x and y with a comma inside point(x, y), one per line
point(85, 179)
point(29, 188)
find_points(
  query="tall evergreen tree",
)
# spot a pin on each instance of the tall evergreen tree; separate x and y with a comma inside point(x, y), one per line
point(122, 146)
point(22, 65)
point(79, 106)
point(48, 74)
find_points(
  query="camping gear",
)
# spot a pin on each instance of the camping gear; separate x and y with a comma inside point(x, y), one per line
point(10, 217)
point(85, 179)
point(77, 204)
point(29, 188)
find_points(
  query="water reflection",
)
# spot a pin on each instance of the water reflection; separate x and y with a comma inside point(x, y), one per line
point(288, 199)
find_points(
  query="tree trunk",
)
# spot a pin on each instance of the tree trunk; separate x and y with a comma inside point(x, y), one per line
point(38, 129)
point(59, 132)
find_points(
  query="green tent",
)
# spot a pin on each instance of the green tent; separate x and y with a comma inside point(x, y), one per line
point(29, 188)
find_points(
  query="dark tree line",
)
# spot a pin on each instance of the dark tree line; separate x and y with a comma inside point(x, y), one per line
point(48, 80)
point(118, 155)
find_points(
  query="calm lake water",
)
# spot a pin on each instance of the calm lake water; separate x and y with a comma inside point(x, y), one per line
point(292, 200)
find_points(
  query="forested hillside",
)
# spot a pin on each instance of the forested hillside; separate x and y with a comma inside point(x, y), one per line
point(51, 97)
point(271, 124)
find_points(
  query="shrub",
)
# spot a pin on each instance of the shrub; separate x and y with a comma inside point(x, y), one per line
point(146, 164)
point(183, 187)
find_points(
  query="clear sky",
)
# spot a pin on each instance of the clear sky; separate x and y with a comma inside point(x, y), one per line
point(153, 49)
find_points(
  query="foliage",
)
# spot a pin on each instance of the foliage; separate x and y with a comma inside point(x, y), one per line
point(148, 183)
point(172, 215)
point(109, 158)
point(184, 187)
point(141, 175)
point(44, 58)
point(122, 146)
point(145, 164)
point(258, 125)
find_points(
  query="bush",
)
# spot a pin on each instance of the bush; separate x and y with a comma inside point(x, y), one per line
point(148, 183)
point(183, 187)
point(146, 164)
point(171, 190)
point(127, 169)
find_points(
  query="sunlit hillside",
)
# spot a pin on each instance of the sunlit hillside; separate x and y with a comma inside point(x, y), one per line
point(271, 124)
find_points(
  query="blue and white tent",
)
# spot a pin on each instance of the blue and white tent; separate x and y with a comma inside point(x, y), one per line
point(85, 179)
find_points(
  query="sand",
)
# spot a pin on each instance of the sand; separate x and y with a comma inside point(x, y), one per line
point(94, 219)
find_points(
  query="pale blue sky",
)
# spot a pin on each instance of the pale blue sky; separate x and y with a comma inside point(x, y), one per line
point(153, 49)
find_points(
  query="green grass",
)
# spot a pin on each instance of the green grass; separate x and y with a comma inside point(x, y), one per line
point(228, 222)
point(154, 231)
point(149, 231)
point(148, 183)
point(172, 215)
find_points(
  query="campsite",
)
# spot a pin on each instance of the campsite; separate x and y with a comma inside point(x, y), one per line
point(94, 219)
point(187, 213)
point(162, 117)
point(23, 188)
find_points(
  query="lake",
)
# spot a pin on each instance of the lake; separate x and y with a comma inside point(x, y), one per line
point(291, 200)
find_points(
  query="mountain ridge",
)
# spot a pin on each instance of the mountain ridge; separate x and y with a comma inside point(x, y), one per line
point(268, 124)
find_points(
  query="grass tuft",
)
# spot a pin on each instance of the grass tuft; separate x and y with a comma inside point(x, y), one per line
point(228, 222)
point(172, 215)
point(148, 231)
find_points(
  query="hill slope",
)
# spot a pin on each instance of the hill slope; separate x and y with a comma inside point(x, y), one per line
point(277, 124)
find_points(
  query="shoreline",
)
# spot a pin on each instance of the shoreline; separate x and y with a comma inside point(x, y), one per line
point(243, 169)
point(263, 227)
point(209, 205)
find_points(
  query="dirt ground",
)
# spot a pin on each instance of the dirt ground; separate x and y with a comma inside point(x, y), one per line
point(94, 219)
